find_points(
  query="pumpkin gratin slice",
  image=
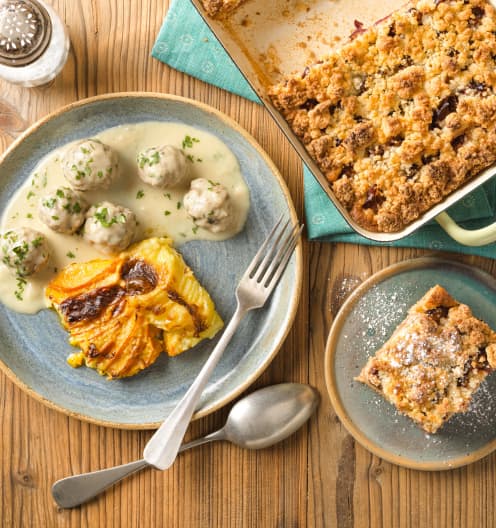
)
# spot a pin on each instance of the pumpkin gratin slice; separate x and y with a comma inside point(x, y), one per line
point(124, 311)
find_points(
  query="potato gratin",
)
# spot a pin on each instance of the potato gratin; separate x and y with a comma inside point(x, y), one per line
point(122, 312)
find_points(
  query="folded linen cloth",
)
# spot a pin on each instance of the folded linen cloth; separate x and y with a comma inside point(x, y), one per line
point(186, 43)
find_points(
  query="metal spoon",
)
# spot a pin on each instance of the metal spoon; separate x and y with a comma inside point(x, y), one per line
point(259, 420)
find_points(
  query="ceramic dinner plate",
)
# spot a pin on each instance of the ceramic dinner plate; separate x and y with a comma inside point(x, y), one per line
point(34, 348)
point(364, 323)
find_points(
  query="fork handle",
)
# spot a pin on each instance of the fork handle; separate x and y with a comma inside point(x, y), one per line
point(162, 448)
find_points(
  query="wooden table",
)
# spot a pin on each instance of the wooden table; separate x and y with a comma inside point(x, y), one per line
point(320, 476)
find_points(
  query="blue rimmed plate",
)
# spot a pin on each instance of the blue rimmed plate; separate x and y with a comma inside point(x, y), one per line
point(34, 348)
point(366, 320)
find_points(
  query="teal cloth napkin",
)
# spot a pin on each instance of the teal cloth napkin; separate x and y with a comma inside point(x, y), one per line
point(186, 44)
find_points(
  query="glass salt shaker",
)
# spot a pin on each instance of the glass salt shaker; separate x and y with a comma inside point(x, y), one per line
point(34, 43)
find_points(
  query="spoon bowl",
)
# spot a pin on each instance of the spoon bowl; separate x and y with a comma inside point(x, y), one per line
point(270, 415)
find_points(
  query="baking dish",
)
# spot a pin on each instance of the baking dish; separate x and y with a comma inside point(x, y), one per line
point(269, 40)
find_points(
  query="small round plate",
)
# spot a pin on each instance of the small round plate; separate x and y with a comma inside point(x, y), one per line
point(34, 348)
point(364, 323)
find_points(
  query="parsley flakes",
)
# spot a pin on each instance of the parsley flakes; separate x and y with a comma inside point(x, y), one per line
point(188, 141)
point(21, 286)
point(102, 216)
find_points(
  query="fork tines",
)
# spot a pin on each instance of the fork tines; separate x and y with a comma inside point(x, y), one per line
point(274, 254)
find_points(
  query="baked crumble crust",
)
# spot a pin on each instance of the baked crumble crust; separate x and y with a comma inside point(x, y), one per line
point(220, 7)
point(404, 113)
point(435, 360)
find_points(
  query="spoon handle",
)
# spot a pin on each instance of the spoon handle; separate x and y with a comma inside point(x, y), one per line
point(78, 489)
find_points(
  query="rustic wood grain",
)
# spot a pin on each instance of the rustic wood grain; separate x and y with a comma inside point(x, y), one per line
point(320, 477)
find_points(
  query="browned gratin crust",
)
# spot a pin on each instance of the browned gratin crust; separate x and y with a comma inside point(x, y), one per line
point(220, 7)
point(435, 360)
point(404, 113)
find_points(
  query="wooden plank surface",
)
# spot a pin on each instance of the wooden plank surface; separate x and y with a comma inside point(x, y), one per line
point(319, 477)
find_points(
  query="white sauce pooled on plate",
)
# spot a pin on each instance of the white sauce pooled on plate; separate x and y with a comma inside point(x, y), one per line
point(159, 212)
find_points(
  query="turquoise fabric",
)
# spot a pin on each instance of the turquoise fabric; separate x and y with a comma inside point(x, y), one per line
point(186, 44)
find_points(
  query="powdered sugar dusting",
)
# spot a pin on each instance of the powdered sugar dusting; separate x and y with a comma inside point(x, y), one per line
point(377, 318)
point(369, 322)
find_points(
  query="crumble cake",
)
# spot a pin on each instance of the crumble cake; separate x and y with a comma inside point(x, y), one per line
point(220, 7)
point(402, 114)
point(435, 360)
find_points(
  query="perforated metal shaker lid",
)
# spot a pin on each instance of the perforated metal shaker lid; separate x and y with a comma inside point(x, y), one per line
point(25, 31)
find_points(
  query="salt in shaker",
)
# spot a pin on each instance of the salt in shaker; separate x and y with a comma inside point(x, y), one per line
point(34, 43)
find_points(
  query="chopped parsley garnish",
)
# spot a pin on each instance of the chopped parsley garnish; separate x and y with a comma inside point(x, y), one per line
point(192, 159)
point(82, 171)
point(142, 160)
point(60, 193)
point(179, 205)
point(70, 254)
point(167, 213)
point(194, 229)
point(168, 195)
point(140, 194)
point(30, 194)
point(72, 207)
point(80, 174)
point(39, 180)
point(188, 141)
point(29, 215)
point(102, 217)
point(37, 242)
point(50, 203)
point(21, 286)
point(153, 159)
point(21, 252)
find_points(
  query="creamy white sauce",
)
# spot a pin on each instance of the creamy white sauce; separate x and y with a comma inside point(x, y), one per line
point(159, 212)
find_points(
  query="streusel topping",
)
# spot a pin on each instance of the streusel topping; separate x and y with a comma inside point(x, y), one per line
point(404, 113)
point(220, 7)
point(435, 360)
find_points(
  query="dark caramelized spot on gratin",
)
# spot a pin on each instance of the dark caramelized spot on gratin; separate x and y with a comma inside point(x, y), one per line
point(139, 277)
point(90, 305)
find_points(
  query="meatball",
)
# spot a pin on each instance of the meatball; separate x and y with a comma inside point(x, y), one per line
point(109, 227)
point(209, 205)
point(63, 210)
point(90, 165)
point(161, 167)
point(24, 251)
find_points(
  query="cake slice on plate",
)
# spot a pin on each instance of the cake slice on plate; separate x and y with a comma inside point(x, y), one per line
point(434, 362)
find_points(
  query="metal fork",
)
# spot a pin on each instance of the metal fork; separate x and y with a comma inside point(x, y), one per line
point(252, 292)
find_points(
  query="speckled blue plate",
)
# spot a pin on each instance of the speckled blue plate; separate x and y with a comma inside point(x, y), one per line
point(364, 323)
point(34, 348)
